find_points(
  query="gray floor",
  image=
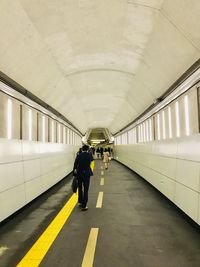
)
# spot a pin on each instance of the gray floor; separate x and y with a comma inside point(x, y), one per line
point(138, 227)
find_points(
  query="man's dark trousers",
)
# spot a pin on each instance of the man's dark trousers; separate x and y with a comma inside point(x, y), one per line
point(83, 187)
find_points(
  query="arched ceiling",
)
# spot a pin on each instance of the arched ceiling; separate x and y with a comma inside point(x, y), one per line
point(98, 62)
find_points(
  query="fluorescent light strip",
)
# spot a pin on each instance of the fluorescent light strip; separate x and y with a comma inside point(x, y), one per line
point(9, 119)
point(150, 129)
point(43, 129)
point(177, 119)
point(139, 136)
point(147, 130)
point(158, 126)
point(134, 135)
point(144, 132)
point(98, 140)
point(187, 118)
point(163, 124)
point(52, 131)
point(119, 140)
point(141, 132)
point(30, 123)
point(68, 136)
point(170, 122)
point(72, 137)
point(59, 133)
point(64, 135)
point(138, 130)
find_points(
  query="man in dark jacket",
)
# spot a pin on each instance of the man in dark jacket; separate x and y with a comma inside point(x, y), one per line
point(83, 172)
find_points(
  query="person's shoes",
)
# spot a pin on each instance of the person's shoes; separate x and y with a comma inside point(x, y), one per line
point(85, 208)
point(80, 205)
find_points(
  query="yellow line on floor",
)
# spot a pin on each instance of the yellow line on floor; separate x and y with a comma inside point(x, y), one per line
point(99, 200)
point(102, 172)
point(42, 245)
point(36, 254)
point(102, 181)
point(102, 167)
point(90, 248)
point(92, 165)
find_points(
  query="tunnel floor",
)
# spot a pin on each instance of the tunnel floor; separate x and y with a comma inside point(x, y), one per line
point(137, 226)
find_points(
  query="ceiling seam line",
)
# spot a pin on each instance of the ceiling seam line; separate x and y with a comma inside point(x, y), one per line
point(179, 30)
point(98, 69)
point(142, 5)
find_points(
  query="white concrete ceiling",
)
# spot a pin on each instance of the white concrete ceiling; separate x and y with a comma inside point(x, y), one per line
point(98, 62)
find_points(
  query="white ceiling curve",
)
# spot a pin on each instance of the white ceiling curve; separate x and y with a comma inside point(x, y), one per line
point(99, 63)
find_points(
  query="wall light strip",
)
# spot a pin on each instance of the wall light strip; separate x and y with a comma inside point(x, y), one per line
point(147, 130)
point(59, 133)
point(43, 129)
point(64, 135)
point(150, 130)
point(52, 131)
point(177, 119)
point(144, 132)
point(187, 118)
point(170, 122)
point(158, 126)
point(163, 124)
point(30, 123)
point(9, 119)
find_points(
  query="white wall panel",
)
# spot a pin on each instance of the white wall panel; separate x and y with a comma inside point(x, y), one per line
point(12, 200)
point(164, 165)
point(2, 216)
point(27, 169)
point(10, 151)
point(188, 174)
point(33, 188)
point(199, 211)
point(11, 175)
point(32, 169)
point(187, 200)
point(168, 188)
point(166, 147)
point(144, 147)
point(31, 150)
point(189, 148)
point(47, 181)
point(46, 165)
point(172, 166)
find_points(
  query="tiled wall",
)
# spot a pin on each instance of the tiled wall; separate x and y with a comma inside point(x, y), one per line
point(172, 166)
point(28, 169)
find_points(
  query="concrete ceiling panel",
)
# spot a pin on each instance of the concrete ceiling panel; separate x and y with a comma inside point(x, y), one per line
point(99, 63)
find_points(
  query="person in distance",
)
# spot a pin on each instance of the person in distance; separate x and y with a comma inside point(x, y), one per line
point(83, 172)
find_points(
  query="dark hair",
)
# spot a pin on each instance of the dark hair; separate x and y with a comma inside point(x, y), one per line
point(85, 148)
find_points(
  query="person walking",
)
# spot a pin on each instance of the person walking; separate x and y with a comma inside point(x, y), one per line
point(98, 152)
point(79, 152)
point(83, 172)
point(101, 152)
point(106, 158)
